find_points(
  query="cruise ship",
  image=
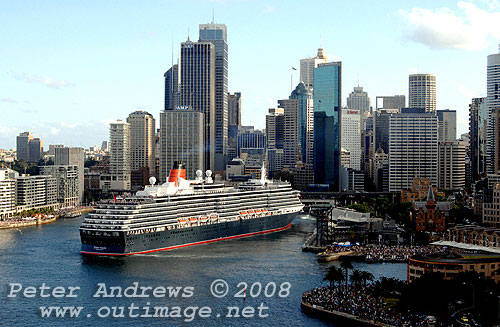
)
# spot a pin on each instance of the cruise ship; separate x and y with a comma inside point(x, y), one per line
point(180, 213)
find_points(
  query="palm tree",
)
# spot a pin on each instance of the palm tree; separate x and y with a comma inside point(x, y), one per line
point(333, 275)
point(346, 264)
point(356, 278)
point(366, 276)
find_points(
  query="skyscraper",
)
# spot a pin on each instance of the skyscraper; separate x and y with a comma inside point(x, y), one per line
point(36, 149)
point(422, 92)
point(327, 105)
point(23, 146)
point(234, 109)
point(451, 165)
point(197, 90)
point(390, 102)
point(350, 138)
point(298, 136)
point(359, 100)
point(142, 141)
point(307, 66)
point(447, 120)
point(172, 87)
point(217, 35)
point(493, 103)
point(407, 157)
point(275, 128)
point(234, 123)
point(381, 129)
point(478, 126)
point(72, 157)
point(119, 162)
point(182, 139)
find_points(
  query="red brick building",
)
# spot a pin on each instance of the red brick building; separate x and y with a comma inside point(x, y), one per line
point(431, 215)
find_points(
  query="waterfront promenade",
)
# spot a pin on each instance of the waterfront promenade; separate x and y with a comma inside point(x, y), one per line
point(356, 307)
point(41, 219)
point(383, 253)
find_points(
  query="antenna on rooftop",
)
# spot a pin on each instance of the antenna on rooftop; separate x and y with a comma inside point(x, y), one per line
point(213, 15)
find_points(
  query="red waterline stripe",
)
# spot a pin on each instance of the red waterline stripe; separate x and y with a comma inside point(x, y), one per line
point(195, 243)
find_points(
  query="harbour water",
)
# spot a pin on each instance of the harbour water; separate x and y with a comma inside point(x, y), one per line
point(274, 268)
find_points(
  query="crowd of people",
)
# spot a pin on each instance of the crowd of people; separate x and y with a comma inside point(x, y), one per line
point(359, 303)
point(385, 253)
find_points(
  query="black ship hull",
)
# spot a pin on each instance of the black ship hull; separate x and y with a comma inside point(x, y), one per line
point(123, 244)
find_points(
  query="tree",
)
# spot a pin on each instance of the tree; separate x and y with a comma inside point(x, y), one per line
point(366, 276)
point(356, 278)
point(346, 264)
point(333, 275)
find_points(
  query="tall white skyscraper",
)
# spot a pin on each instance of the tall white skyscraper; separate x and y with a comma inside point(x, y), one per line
point(182, 141)
point(307, 66)
point(119, 162)
point(413, 147)
point(217, 35)
point(493, 104)
point(350, 138)
point(451, 165)
point(142, 141)
point(422, 92)
point(359, 100)
point(197, 90)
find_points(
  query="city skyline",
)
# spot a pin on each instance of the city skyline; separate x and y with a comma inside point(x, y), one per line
point(71, 69)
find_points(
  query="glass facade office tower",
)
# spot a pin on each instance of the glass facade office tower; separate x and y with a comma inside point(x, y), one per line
point(478, 126)
point(217, 35)
point(298, 132)
point(447, 125)
point(197, 89)
point(327, 105)
point(23, 146)
point(493, 103)
point(172, 87)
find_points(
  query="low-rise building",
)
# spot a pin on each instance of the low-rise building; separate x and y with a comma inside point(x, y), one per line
point(453, 263)
point(35, 192)
point(235, 167)
point(67, 180)
point(490, 212)
point(474, 235)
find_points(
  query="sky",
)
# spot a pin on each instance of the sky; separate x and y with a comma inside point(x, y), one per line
point(68, 68)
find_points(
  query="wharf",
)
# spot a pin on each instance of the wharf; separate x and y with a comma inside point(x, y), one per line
point(342, 318)
point(26, 223)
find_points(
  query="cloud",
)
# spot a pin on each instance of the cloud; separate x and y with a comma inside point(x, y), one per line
point(43, 80)
point(9, 100)
point(468, 28)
